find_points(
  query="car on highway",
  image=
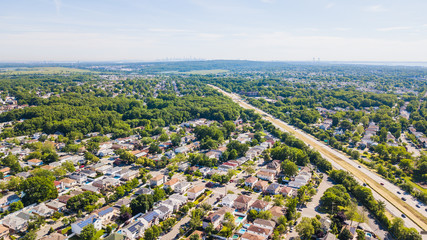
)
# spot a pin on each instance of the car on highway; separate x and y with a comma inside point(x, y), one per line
point(418, 206)
point(382, 184)
point(364, 184)
point(359, 166)
point(403, 215)
point(404, 199)
point(398, 192)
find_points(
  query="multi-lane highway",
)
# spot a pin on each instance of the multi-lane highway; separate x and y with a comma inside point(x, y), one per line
point(414, 217)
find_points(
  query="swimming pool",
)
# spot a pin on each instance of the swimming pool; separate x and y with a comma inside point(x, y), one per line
point(368, 234)
point(247, 225)
point(235, 236)
point(241, 231)
point(239, 220)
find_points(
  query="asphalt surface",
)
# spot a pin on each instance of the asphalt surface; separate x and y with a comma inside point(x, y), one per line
point(373, 177)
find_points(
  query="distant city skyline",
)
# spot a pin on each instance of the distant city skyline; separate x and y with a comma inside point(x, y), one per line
point(266, 30)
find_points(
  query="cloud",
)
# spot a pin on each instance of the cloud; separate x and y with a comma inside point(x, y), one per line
point(375, 8)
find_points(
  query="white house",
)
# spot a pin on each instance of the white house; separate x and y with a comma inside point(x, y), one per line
point(228, 200)
point(196, 191)
point(181, 187)
point(77, 227)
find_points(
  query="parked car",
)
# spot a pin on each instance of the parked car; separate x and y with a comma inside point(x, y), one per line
point(382, 184)
point(404, 199)
point(418, 206)
point(398, 192)
point(403, 215)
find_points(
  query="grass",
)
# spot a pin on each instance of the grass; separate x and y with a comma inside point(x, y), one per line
point(41, 70)
point(408, 180)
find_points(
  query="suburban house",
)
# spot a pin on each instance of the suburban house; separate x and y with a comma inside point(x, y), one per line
point(241, 203)
point(68, 182)
point(4, 232)
point(273, 189)
point(216, 217)
point(158, 180)
point(250, 181)
point(106, 213)
point(265, 175)
point(250, 236)
point(277, 212)
point(135, 229)
point(196, 191)
point(35, 162)
point(42, 210)
point(143, 190)
point(263, 232)
point(228, 200)
point(171, 183)
point(259, 205)
point(260, 186)
point(5, 201)
point(56, 205)
point(181, 187)
point(287, 191)
point(77, 227)
point(274, 165)
point(264, 223)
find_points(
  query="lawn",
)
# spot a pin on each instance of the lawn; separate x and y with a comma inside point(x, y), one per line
point(41, 70)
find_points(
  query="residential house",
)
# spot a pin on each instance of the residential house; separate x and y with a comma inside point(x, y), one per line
point(122, 202)
point(151, 217)
point(171, 184)
point(106, 213)
point(135, 230)
point(260, 186)
point(158, 180)
point(4, 232)
point(90, 188)
point(250, 236)
point(215, 218)
point(250, 181)
point(228, 200)
point(16, 222)
point(56, 205)
point(129, 175)
point(259, 205)
point(80, 178)
point(78, 226)
point(8, 199)
point(35, 162)
point(68, 182)
point(241, 203)
point(179, 198)
point(277, 212)
point(105, 183)
point(196, 191)
point(117, 236)
point(266, 175)
point(144, 191)
point(5, 171)
point(42, 210)
point(273, 189)
point(263, 232)
point(274, 165)
point(287, 191)
point(164, 211)
point(264, 223)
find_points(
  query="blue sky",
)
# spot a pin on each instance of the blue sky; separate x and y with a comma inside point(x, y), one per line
point(334, 30)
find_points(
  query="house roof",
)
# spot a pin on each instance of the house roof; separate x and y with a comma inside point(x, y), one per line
point(158, 177)
point(34, 161)
point(251, 236)
point(67, 180)
point(171, 182)
point(261, 183)
point(265, 222)
point(251, 179)
point(277, 211)
point(196, 189)
point(259, 230)
point(259, 204)
point(243, 199)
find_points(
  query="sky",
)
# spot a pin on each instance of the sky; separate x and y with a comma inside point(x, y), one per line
point(278, 30)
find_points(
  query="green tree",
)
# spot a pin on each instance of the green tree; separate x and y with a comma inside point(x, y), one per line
point(88, 232)
point(289, 168)
point(305, 228)
point(38, 189)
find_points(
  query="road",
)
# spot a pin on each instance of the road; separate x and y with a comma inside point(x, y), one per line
point(393, 202)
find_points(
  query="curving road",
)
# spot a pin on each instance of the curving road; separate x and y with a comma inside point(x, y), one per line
point(415, 217)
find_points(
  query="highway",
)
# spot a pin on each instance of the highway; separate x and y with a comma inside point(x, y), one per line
point(415, 217)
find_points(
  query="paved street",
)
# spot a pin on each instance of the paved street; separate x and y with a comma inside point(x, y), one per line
point(339, 161)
